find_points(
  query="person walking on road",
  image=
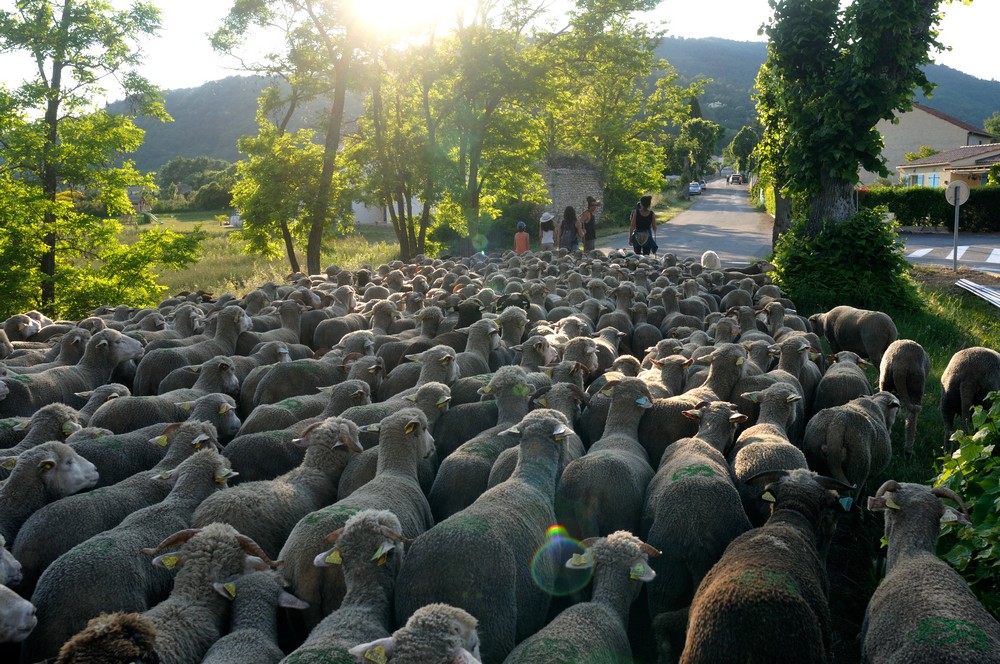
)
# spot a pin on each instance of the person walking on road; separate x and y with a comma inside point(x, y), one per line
point(588, 219)
point(547, 231)
point(570, 231)
point(521, 240)
point(642, 228)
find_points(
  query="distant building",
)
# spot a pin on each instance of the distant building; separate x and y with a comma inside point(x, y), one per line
point(923, 126)
point(969, 163)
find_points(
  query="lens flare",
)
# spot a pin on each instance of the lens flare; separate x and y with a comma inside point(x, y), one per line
point(479, 242)
point(548, 566)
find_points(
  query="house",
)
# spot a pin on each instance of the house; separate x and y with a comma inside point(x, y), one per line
point(923, 126)
point(969, 163)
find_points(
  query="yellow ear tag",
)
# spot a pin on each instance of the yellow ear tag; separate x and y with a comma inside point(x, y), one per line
point(376, 655)
point(891, 504)
point(381, 554)
point(169, 562)
point(230, 588)
point(161, 441)
point(767, 496)
point(381, 561)
point(9, 464)
point(410, 427)
point(637, 572)
point(579, 560)
point(334, 558)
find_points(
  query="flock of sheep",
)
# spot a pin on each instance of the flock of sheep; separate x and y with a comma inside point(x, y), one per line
point(487, 459)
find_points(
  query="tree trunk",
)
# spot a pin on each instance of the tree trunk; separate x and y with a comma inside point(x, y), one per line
point(782, 217)
point(834, 203)
point(286, 235)
point(320, 207)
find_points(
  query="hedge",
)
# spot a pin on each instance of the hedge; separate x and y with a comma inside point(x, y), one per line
point(926, 206)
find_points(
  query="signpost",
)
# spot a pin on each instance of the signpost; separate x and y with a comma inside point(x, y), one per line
point(957, 193)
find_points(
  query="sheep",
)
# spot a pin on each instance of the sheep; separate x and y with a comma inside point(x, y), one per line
point(464, 474)
point(71, 347)
point(41, 475)
point(369, 549)
point(595, 631)
point(844, 380)
point(971, 374)
point(904, 370)
point(17, 616)
point(710, 260)
point(289, 314)
point(105, 351)
point(126, 414)
point(10, 569)
point(434, 634)
point(192, 618)
point(867, 333)
point(266, 511)
point(403, 441)
point(55, 421)
point(157, 363)
point(851, 442)
point(693, 472)
point(98, 397)
point(490, 545)
point(667, 377)
point(603, 491)
point(766, 598)
point(119, 457)
point(765, 446)
point(113, 638)
point(43, 538)
point(923, 611)
point(435, 364)
point(253, 631)
point(20, 327)
point(108, 572)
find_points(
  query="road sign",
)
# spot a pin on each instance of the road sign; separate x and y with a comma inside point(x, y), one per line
point(957, 193)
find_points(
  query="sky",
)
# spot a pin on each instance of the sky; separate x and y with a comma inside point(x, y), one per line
point(180, 57)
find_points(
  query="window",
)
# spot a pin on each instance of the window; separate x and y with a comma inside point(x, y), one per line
point(933, 180)
point(916, 180)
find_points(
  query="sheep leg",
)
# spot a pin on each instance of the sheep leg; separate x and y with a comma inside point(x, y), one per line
point(912, 411)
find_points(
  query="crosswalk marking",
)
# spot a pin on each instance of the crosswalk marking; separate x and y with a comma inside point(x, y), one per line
point(994, 257)
point(961, 250)
point(920, 253)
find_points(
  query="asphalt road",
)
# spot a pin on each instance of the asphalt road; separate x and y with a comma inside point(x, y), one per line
point(722, 220)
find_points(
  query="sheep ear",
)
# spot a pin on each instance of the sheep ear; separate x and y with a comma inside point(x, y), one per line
point(641, 571)
point(84, 395)
point(168, 561)
point(46, 466)
point(371, 428)
point(580, 561)
point(792, 398)
point(290, 601)
point(223, 409)
point(411, 426)
point(160, 440)
point(199, 439)
point(737, 418)
point(411, 397)
point(22, 424)
point(692, 414)
point(8, 462)
point(752, 397)
point(194, 368)
point(185, 405)
point(227, 590)
point(375, 652)
point(415, 357)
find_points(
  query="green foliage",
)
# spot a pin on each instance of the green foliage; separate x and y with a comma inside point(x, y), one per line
point(992, 124)
point(698, 138)
point(193, 173)
point(973, 472)
point(742, 146)
point(927, 206)
point(993, 178)
point(924, 151)
point(858, 262)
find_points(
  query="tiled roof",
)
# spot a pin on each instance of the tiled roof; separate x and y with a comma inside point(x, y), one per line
point(950, 119)
point(964, 152)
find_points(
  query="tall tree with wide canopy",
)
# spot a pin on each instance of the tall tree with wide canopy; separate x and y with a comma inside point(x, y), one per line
point(831, 74)
point(53, 143)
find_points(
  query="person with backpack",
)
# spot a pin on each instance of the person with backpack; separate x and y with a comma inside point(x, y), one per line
point(588, 219)
point(570, 231)
point(642, 228)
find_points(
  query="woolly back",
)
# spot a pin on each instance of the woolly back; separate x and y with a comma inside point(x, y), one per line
point(115, 638)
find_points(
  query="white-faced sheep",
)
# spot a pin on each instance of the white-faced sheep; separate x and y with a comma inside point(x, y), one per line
point(434, 634)
point(403, 442)
point(105, 351)
point(766, 599)
point(971, 374)
point(55, 421)
point(923, 611)
point(369, 550)
point(98, 397)
point(595, 631)
point(266, 511)
point(253, 625)
point(43, 538)
point(491, 543)
point(867, 333)
point(108, 572)
point(904, 370)
point(17, 616)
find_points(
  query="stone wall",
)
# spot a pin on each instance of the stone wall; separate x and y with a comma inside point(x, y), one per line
point(571, 186)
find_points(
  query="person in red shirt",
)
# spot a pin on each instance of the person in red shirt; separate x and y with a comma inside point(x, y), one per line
point(521, 239)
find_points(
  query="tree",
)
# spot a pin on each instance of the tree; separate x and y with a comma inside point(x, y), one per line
point(54, 142)
point(698, 138)
point(192, 172)
point(830, 76)
point(992, 125)
point(742, 146)
point(924, 151)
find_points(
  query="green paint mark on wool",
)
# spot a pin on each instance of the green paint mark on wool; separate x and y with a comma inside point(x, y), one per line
point(694, 470)
point(953, 633)
point(8, 424)
point(759, 579)
point(466, 523)
point(96, 546)
point(551, 650)
point(480, 449)
point(109, 442)
point(290, 404)
point(336, 513)
point(20, 378)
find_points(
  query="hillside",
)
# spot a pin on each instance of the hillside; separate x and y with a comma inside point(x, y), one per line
point(209, 119)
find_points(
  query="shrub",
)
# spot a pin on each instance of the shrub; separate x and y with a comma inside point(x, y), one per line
point(927, 206)
point(973, 472)
point(858, 262)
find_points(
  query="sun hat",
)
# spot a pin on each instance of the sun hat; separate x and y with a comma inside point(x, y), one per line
point(521, 226)
point(547, 216)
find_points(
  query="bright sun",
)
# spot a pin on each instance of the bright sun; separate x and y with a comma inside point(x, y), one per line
point(406, 20)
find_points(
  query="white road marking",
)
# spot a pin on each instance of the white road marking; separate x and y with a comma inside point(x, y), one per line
point(920, 253)
point(994, 257)
point(961, 251)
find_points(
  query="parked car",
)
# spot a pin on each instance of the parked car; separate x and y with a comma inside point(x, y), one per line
point(704, 185)
point(736, 178)
point(694, 188)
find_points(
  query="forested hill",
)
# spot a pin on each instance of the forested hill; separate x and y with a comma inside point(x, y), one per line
point(209, 119)
point(733, 65)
